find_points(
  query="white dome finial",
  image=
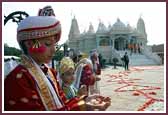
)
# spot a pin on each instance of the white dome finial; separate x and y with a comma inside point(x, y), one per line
point(99, 20)
point(118, 19)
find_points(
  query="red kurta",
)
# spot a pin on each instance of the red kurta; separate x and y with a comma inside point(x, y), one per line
point(20, 93)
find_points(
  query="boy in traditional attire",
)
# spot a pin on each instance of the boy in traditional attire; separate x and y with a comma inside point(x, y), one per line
point(67, 69)
point(32, 86)
point(84, 74)
point(96, 70)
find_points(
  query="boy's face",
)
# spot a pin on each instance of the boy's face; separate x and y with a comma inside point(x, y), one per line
point(68, 77)
point(46, 56)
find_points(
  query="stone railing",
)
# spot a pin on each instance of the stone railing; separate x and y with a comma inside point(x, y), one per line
point(146, 51)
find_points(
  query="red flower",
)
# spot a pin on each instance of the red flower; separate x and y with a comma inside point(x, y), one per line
point(136, 94)
point(152, 93)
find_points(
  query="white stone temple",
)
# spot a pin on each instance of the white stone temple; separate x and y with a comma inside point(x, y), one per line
point(113, 41)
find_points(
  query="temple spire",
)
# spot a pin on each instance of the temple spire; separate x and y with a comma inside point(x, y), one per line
point(91, 29)
point(141, 26)
point(74, 30)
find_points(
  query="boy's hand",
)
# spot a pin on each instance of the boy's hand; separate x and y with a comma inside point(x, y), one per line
point(97, 102)
point(82, 90)
point(98, 78)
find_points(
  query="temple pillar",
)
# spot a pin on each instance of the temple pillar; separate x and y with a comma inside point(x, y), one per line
point(113, 43)
point(97, 42)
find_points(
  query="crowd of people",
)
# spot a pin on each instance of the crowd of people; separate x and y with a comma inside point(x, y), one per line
point(33, 86)
point(134, 48)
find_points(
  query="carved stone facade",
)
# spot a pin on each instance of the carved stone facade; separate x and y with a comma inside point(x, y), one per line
point(107, 39)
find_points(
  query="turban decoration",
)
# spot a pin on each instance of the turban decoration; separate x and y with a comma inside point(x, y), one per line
point(41, 26)
point(66, 64)
point(85, 61)
point(46, 11)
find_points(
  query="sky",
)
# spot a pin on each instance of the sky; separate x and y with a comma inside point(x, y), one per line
point(153, 14)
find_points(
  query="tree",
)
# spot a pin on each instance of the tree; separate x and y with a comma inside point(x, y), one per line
point(11, 51)
point(59, 55)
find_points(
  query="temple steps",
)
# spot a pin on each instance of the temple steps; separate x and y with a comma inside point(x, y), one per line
point(137, 59)
point(140, 59)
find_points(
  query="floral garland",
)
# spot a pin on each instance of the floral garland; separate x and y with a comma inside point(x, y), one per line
point(153, 104)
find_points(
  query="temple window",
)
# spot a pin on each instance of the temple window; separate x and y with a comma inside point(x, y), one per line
point(104, 42)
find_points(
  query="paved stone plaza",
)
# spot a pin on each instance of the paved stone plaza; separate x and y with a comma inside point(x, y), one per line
point(139, 89)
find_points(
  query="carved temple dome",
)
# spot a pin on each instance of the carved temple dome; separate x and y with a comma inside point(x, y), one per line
point(118, 25)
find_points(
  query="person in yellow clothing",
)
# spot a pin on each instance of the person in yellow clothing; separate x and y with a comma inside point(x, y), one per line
point(67, 69)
